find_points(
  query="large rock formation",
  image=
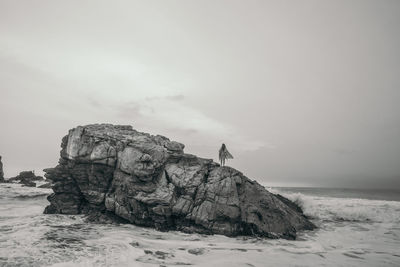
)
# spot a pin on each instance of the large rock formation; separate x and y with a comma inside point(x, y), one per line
point(1, 172)
point(148, 180)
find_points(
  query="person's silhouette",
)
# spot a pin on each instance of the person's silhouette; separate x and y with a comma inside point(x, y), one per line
point(224, 154)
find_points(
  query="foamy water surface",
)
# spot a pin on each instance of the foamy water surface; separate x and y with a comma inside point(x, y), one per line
point(352, 232)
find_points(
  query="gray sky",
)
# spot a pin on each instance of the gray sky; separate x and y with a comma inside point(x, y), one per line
point(302, 92)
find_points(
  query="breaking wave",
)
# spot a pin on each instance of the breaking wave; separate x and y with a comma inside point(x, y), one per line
point(345, 209)
point(17, 191)
point(39, 196)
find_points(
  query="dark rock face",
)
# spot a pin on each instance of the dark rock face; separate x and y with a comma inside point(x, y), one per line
point(26, 178)
point(1, 172)
point(148, 180)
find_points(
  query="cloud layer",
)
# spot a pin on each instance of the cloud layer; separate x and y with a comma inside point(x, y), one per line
point(302, 93)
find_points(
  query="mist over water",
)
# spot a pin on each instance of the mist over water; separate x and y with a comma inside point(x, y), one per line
point(353, 231)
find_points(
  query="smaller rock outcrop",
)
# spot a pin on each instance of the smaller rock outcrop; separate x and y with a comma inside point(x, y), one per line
point(26, 178)
point(1, 172)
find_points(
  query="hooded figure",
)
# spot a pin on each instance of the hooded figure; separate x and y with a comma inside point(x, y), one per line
point(224, 154)
point(1, 172)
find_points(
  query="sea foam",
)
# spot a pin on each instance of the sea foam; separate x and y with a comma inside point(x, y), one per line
point(345, 209)
point(351, 232)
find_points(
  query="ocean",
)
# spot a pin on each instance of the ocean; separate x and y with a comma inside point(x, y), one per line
point(355, 228)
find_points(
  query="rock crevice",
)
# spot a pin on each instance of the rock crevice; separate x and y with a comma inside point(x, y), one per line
point(148, 180)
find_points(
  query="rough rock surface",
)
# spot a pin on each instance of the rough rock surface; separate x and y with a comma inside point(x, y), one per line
point(148, 180)
point(26, 178)
point(1, 172)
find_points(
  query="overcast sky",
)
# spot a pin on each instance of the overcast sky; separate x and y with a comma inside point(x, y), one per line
point(303, 93)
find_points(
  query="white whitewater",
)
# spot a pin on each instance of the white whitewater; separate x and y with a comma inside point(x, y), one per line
point(352, 232)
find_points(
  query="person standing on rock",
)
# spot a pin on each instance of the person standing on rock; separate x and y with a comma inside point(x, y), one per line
point(224, 154)
point(1, 172)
